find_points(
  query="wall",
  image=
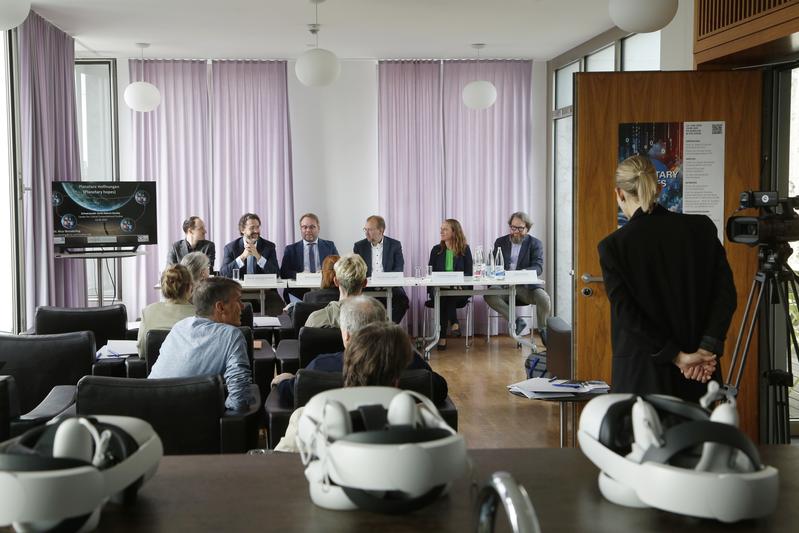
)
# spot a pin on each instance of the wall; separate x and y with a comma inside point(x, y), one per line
point(334, 148)
point(677, 39)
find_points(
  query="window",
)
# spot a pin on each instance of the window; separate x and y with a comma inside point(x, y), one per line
point(793, 190)
point(564, 85)
point(641, 52)
point(563, 218)
point(95, 95)
point(602, 60)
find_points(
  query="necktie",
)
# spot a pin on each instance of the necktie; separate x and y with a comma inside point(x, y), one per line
point(251, 265)
point(312, 256)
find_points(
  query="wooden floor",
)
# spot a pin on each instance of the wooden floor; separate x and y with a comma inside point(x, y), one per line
point(488, 415)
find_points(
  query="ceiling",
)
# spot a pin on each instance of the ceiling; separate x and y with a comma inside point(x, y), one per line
point(353, 29)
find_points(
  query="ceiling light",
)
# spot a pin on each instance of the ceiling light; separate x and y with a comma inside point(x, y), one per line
point(479, 94)
point(636, 16)
point(317, 67)
point(13, 13)
point(140, 95)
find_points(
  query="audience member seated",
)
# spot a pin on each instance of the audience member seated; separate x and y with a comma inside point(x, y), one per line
point(356, 313)
point(194, 228)
point(250, 253)
point(350, 278)
point(522, 251)
point(198, 265)
point(383, 254)
point(210, 342)
point(375, 356)
point(328, 291)
point(305, 255)
point(176, 287)
point(452, 254)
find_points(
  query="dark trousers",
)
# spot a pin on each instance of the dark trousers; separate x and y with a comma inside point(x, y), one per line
point(448, 310)
point(399, 302)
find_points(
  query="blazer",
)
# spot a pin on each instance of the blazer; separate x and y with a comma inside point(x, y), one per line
point(293, 257)
point(235, 248)
point(531, 255)
point(392, 255)
point(462, 263)
point(670, 289)
point(180, 249)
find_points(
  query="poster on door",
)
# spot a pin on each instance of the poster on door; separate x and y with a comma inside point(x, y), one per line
point(689, 160)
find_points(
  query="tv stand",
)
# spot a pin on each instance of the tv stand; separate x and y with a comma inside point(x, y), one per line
point(99, 256)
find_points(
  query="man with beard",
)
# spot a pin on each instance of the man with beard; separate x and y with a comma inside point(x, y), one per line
point(250, 253)
point(522, 252)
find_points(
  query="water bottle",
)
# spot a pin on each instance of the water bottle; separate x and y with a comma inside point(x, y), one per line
point(491, 265)
point(499, 268)
point(479, 262)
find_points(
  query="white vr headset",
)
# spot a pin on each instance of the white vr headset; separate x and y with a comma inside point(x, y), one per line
point(59, 476)
point(377, 448)
point(660, 451)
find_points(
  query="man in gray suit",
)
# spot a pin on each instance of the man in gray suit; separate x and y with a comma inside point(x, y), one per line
point(522, 252)
point(383, 254)
point(194, 228)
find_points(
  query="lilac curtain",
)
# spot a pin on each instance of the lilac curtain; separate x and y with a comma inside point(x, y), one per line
point(410, 159)
point(170, 148)
point(487, 152)
point(49, 152)
point(251, 150)
point(438, 159)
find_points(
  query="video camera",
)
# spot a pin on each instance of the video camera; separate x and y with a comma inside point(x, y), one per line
point(778, 223)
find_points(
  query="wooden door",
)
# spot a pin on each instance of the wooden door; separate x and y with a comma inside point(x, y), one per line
point(602, 102)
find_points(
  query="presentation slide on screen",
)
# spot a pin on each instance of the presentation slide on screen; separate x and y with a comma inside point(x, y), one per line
point(103, 213)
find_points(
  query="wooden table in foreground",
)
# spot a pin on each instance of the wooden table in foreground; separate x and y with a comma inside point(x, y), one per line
point(269, 493)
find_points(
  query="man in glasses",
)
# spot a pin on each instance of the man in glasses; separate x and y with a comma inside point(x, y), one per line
point(305, 255)
point(522, 252)
point(383, 254)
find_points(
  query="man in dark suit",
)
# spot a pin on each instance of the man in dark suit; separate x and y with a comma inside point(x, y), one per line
point(383, 254)
point(194, 229)
point(305, 255)
point(523, 252)
point(250, 253)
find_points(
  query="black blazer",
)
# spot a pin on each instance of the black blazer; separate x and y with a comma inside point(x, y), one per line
point(462, 263)
point(531, 255)
point(392, 255)
point(180, 249)
point(236, 248)
point(293, 257)
point(670, 289)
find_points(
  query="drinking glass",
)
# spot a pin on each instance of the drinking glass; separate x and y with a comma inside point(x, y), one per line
point(417, 272)
point(235, 273)
point(429, 271)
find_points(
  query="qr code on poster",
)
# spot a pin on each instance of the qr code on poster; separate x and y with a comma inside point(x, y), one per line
point(716, 129)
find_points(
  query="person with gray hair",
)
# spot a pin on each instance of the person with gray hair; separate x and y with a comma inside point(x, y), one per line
point(210, 342)
point(356, 313)
point(350, 278)
point(198, 264)
point(522, 252)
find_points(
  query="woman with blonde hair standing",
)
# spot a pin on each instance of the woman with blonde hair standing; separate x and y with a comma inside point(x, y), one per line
point(670, 288)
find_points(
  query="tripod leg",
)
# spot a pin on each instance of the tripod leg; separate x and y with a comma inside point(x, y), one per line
point(759, 279)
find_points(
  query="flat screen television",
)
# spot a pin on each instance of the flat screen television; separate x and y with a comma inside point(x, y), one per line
point(96, 214)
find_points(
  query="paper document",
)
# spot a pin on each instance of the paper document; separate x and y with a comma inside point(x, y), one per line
point(134, 325)
point(117, 348)
point(266, 321)
point(557, 388)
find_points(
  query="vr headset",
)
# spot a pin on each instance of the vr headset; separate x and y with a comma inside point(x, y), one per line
point(660, 451)
point(59, 476)
point(377, 448)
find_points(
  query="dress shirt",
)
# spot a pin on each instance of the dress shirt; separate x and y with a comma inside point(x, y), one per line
point(306, 264)
point(261, 261)
point(377, 257)
point(514, 255)
point(198, 346)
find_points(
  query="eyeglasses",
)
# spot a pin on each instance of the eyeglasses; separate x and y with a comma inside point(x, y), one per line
point(367, 230)
point(518, 229)
point(308, 227)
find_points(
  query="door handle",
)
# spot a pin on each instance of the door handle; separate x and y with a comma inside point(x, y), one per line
point(588, 278)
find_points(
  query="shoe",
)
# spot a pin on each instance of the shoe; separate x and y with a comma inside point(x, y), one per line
point(521, 325)
point(442, 345)
point(455, 330)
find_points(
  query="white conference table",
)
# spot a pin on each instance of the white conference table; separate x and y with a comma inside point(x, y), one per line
point(374, 284)
point(261, 286)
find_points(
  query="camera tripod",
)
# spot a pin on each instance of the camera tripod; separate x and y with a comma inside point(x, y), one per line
point(775, 280)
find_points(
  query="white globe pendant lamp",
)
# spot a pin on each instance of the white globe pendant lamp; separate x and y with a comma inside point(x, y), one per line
point(479, 94)
point(13, 13)
point(638, 16)
point(142, 96)
point(317, 67)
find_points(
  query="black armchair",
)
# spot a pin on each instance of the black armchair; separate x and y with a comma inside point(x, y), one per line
point(187, 413)
point(316, 341)
point(109, 322)
point(312, 382)
point(288, 351)
point(559, 347)
point(45, 369)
